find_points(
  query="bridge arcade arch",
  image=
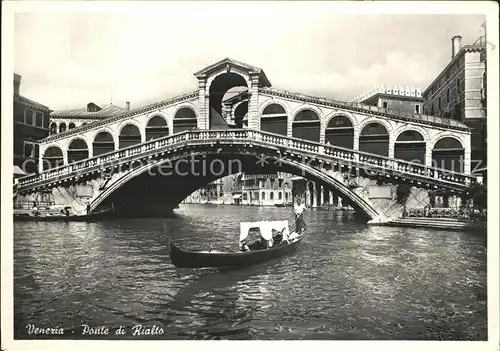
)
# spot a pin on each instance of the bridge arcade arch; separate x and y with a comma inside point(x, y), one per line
point(129, 135)
point(157, 127)
point(184, 119)
point(448, 153)
point(374, 138)
point(306, 125)
point(410, 146)
point(77, 150)
point(103, 143)
point(62, 127)
point(274, 119)
point(217, 89)
point(340, 132)
point(53, 128)
point(52, 157)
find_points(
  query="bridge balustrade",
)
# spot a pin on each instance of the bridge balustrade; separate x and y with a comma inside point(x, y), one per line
point(360, 159)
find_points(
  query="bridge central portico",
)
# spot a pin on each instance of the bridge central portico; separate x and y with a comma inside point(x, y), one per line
point(425, 151)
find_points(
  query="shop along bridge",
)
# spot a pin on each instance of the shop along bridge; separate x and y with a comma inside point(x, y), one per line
point(362, 152)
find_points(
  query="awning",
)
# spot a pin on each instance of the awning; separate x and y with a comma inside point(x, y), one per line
point(18, 171)
point(297, 178)
point(236, 196)
point(265, 228)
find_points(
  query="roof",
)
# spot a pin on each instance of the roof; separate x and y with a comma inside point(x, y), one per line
point(228, 62)
point(236, 97)
point(107, 111)
point(24, 100)
point(410, 117)
point(393, 97)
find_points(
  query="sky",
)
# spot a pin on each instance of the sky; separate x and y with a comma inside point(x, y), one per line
point(67, 59)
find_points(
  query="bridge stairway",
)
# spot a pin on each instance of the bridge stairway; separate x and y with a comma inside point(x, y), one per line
point(70, 200)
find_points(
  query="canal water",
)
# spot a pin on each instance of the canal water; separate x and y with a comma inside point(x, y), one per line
point(346, 281)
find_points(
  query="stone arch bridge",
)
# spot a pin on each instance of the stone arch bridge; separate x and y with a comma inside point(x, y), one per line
point(361, 151)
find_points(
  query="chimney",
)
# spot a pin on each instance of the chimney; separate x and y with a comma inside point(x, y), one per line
point(17, 83)
point(456, 45)
point(127, 106)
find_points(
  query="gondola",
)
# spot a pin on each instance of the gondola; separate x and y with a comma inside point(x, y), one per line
point(182, 258)
point(63, 218)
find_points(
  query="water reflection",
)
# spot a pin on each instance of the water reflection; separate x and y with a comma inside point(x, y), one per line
point(346, 281)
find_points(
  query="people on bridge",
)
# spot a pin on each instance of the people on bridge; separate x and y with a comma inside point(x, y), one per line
point(299, 209)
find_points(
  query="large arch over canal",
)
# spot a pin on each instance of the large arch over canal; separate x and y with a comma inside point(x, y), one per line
point(169, 181)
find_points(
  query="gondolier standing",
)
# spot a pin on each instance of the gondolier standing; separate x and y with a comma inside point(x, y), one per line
point(299, 209)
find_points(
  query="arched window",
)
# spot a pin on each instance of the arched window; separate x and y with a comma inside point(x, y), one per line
point(280, 195)
point(53, 128)
point(77, 150)
point(71, 125)
point(306, 125)
point(410, 146)
point(185, 119)
point(271, 195)
point(53, 157)
point(62, 127)
point(448, 153)
point(129, 135)
point(157, 128)
point(340, 132)
point(263, 195)
point(103, 143)
point(374, 139)
point(274, 119)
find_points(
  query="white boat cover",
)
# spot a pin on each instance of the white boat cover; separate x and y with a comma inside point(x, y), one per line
point(265, 227)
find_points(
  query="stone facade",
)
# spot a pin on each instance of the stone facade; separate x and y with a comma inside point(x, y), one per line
point(459, 92)
point(246, 189)
point(31, 123)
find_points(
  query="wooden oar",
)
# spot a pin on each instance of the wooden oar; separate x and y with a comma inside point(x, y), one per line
point(167, 238)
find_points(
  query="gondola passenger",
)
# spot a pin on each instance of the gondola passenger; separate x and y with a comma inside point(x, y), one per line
point(243, 246)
